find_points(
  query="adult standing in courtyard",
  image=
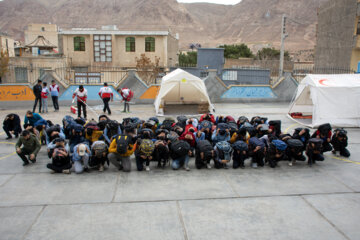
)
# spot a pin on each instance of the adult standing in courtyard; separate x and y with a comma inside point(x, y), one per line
point(54, 91)
point(37, 92)
point(106, 95)
point(81, 95)
point(127, 95)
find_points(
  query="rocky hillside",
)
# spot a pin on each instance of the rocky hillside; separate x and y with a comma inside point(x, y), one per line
point(255, 22)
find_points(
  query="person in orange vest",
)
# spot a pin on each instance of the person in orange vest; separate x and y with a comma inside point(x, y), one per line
point(106, 95)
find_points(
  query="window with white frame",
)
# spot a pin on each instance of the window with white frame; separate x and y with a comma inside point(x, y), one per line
point(102, 48)
point(229, 75)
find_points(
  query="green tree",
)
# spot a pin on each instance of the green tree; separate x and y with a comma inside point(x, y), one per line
point(237, 51)
point(271, 54)
point(190, 58)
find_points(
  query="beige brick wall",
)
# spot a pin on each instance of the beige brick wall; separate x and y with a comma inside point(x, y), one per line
point(9, 47)
point(165, 47)
point(34, 30)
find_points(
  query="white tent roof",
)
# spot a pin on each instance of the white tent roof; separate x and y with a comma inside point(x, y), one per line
point(181, 87)
point(334, 81)
point(333, 99)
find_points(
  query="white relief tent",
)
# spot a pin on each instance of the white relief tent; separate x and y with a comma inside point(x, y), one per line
point(333, 99)
point(181, 87)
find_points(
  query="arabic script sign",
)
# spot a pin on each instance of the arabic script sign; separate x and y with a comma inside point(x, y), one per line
point(16, 93)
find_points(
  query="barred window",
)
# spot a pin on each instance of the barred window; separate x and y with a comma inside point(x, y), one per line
point(130, 44)
point(79, 44)
point(149, 44)
point(102, 48)
point(229, 75)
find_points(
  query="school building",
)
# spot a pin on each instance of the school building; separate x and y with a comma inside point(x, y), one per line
point(110, 47)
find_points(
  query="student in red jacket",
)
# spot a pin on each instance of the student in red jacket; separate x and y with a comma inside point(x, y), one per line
point(209, 117)
point(189, 136)
point(81, 95)
point(106, 95)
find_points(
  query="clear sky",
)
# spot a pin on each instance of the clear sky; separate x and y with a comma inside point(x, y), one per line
point(227, 2)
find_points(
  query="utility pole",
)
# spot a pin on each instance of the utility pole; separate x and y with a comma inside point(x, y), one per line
point(282, 48)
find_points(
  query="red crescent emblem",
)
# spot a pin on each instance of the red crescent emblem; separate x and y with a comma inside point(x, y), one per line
point(322, 82)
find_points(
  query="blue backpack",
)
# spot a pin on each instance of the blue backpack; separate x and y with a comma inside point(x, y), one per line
point(224, 146)
point(206, 124)
point(280, 145)
point(240, 146)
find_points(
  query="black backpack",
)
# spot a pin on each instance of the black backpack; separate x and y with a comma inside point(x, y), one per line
point(252, 131)
point(317, 142)
point(91, 127)
point(223, 126)
point(52, 129)
point(102, 124)
point(182, 121)
point(180, 148)
point(122, 143)
point(112, 128)
point(242, 120)
point(155, 119)
point(204, 146)
point(240, 146)
point(233, 127)
point(276, 124)
point(167, 124)
point(141, 133)
point(80, 121)
point(295, 143)
point(324, 128)
point(68, 122)
point(78, 128)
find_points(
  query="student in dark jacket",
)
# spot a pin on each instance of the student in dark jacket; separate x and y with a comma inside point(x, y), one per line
point(303, 134)
point(61, 162)
point(37, 92)
point(275, 153)
point(324, 133)
point(314, 151)
point(28, 144)
point(340, 142)
point(256, 152)
point(11, 125)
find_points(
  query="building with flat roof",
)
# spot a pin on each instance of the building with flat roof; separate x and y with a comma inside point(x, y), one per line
point(111, 47)
point(7, 44)
point(338, 35)
point(48, 31)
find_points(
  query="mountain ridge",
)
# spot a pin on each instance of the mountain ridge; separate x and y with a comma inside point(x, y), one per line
point(254, 22)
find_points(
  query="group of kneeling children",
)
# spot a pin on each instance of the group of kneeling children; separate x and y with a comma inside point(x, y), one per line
point(93, 144)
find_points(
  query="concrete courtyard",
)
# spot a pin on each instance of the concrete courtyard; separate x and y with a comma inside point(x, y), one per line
point(298, 202)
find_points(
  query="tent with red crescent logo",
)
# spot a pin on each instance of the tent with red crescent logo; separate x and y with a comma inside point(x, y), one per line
point(333, 99)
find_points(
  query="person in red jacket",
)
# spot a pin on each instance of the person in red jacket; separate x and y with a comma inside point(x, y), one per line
point(189, 136)
point(127, 95)
point(81, 95)
point(209, 117)
point(106, 95)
